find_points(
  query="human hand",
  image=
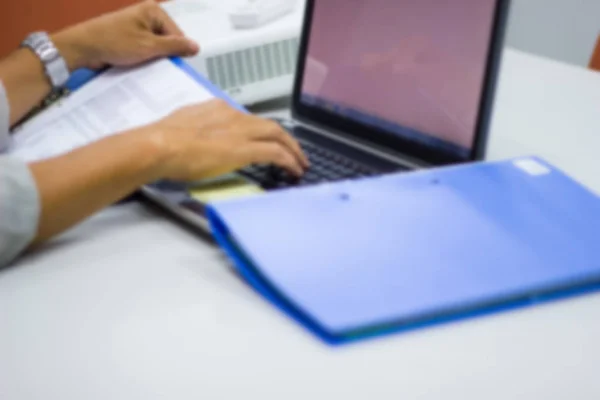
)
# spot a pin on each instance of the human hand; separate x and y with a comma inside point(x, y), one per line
point(126, 37)
point(212, 139)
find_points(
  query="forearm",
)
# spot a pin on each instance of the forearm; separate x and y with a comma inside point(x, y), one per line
point(22, 74)
point(74, 186)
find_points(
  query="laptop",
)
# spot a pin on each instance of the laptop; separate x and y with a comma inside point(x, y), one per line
point(381, 86)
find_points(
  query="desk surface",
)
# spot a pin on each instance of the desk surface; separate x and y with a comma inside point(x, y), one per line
point(131, 305)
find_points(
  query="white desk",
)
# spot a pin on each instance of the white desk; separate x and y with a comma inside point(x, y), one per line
point(132, 306)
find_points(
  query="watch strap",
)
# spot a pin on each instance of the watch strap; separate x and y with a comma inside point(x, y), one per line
point(55, 67)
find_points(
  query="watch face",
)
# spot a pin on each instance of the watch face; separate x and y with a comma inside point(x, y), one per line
point(40, 42)
point(47, 52)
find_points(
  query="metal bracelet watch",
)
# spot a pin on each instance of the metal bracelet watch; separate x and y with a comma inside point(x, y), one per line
point(55, 65)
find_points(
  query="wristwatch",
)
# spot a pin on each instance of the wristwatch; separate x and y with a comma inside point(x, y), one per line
point(55, 65)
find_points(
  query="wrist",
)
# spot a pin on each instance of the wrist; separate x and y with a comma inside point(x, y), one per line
point(154, 151)
point(71, 49)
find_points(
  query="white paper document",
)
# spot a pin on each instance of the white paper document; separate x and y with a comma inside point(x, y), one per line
point(117, 100)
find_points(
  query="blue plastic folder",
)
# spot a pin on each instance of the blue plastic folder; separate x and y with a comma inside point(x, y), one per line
point(357, 259)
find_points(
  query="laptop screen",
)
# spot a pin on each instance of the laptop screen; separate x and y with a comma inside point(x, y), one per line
point(414, 68)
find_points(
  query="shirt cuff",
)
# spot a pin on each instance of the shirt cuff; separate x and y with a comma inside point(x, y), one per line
point(20, 208)
point(4, 120)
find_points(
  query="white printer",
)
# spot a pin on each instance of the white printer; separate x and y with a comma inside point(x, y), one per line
point(248, 47)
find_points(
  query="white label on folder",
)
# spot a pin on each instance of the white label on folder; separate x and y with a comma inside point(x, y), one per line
point(532, 167)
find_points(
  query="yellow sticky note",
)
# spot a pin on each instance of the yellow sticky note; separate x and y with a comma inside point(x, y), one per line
point(224, 190)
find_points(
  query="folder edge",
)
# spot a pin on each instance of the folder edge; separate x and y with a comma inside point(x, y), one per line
point(244, 265)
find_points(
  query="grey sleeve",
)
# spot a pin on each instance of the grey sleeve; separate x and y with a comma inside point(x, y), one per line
point(19, 198)
point(19, 208)
point(4, 120)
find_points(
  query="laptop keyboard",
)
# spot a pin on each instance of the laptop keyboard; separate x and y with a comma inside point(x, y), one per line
point(325, 166)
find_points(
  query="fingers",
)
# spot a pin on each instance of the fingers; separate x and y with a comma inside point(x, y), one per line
point(176, 45)
point(243, 139)
point(273, 132)
point(270, 153)
point(249, 127)
point(164, 21)
point(172, 40)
